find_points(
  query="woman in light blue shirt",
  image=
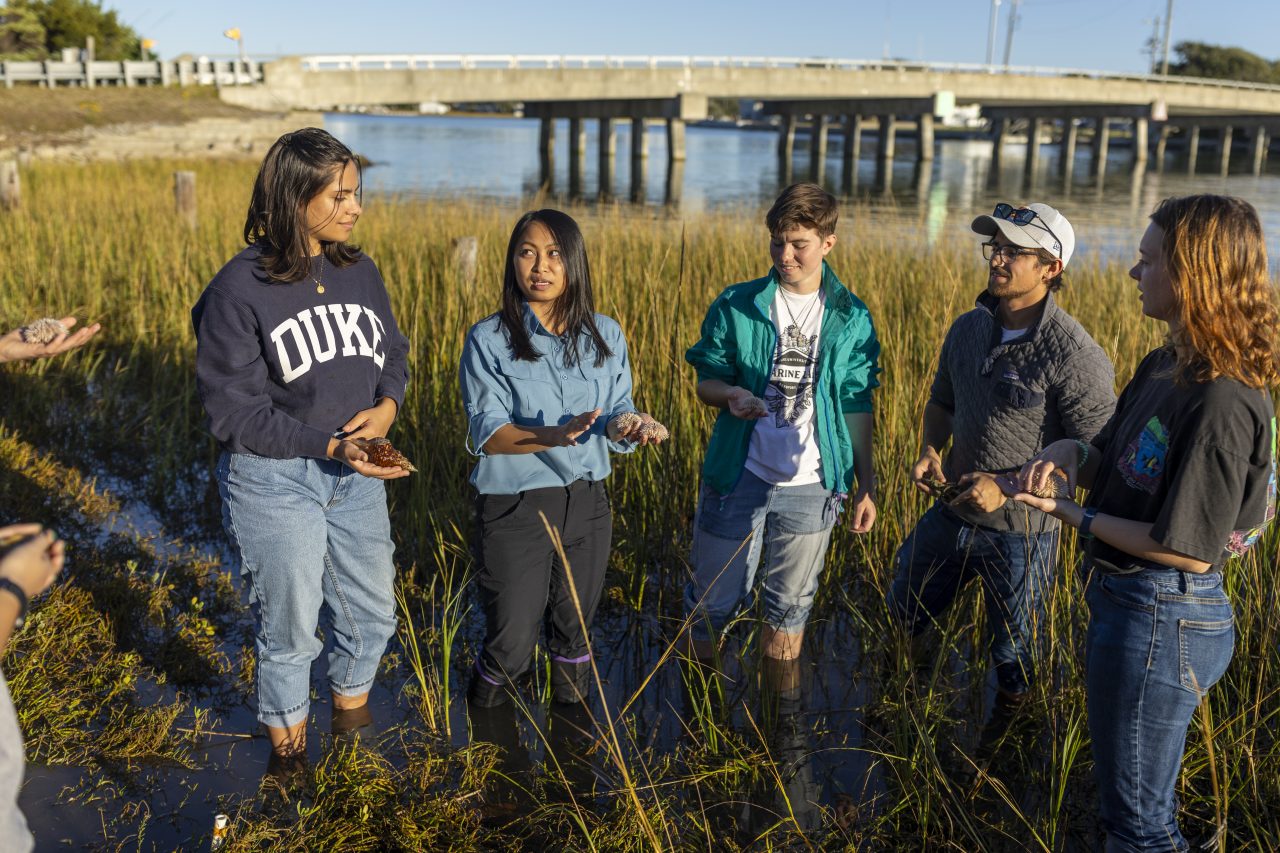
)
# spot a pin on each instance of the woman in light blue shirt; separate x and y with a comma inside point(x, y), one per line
point(546, 383)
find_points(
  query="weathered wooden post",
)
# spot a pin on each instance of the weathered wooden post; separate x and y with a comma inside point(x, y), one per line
point(184, 197)
point(10, 188)
point(465, 250)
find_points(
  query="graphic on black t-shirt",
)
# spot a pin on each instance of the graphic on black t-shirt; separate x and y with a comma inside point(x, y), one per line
point(790, 391)
point(1143, 460)
point(1242, 540)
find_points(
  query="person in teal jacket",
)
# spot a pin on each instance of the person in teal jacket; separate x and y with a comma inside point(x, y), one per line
point(790, 360)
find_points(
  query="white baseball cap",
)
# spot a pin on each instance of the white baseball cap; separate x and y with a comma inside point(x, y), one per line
point(1036, 226)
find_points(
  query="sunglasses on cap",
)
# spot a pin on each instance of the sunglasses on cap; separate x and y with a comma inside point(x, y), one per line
point(1024, 216)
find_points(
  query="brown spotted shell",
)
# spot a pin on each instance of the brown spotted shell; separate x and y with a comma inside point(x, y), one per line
point(1054, 487)
point(383, 454)
point(42, 331)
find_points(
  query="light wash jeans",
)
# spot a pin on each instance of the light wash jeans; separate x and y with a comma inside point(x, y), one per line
point(310, 532)
point(789, 526)
point(941, 556)
point(1158, 640)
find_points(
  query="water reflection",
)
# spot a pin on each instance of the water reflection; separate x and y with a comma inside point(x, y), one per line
point(498, 158)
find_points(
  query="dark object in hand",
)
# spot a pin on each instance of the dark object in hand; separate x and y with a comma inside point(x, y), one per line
point(945, 492)
point(1054, 487)
point(383, 454)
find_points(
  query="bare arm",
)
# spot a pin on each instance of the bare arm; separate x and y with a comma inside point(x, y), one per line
point(735, 398)
point(515, 439)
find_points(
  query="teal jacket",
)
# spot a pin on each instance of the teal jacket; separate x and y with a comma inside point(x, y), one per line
point(737, 347)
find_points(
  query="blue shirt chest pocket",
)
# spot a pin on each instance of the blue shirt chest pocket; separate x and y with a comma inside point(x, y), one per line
point(546, 392)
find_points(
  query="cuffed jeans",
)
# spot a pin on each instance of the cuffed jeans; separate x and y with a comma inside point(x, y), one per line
point(1158, 640)
point(789, 526)
point(943, 554)
point(310, 532)
point(524, 585)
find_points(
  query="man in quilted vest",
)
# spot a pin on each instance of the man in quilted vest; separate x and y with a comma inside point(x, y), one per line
point(1015, 373)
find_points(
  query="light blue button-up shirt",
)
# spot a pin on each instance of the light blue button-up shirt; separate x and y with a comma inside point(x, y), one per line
point(498, 389)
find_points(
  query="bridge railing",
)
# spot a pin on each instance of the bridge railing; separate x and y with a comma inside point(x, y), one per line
point(456, 61)
point(192, 72)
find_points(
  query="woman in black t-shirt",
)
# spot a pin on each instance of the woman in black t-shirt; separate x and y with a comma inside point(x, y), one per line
point(1182, 478)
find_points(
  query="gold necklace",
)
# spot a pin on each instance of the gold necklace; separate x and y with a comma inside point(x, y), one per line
point(316, 279)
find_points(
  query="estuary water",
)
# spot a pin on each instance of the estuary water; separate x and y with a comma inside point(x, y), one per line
point(732, 168)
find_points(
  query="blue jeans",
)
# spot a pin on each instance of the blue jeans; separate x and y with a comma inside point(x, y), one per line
point(789, 525)
point(310, 532)
point(1158, 640)
point(943, 554)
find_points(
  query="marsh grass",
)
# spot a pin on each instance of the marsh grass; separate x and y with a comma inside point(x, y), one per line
point(102, 241)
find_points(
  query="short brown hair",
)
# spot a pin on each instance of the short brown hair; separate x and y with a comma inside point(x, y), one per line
point(803, 206)
point(1046, 257)
point(1216, 260)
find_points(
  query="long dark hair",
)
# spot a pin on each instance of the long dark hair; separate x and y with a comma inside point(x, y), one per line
point(297, 167)
point(573, 311)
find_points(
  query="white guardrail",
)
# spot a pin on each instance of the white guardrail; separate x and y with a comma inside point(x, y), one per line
point(203, 71)
point(455, 61)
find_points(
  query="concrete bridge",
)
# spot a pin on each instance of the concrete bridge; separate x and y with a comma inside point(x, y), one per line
point(885, 94)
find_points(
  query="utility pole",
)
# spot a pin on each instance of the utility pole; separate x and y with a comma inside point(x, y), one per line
point(1168, 26)
point(1013, 24)
point(1153, 45)
point(991, 33)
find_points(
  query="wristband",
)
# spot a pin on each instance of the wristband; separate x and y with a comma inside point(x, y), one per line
point(1084, 453)
point(16, 591)
point(1086, 522)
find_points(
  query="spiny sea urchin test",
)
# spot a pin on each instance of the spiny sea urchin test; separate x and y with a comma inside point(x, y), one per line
point(383, 454)
point(755, 407)
point(654, 431)
point(42, 331)
point(624, 423)
point(1054, 487)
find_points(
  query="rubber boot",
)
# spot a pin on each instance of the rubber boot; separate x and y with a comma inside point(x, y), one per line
point(570, 682)
point(483, 693)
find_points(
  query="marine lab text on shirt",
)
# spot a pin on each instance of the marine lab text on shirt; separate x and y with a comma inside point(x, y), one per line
point(297, 351)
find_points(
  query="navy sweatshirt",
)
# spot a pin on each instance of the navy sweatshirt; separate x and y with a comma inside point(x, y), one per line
point(280, 367)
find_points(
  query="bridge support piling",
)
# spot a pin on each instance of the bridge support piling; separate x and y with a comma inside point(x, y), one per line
point(924, 138)
point(639, 159)
point(1001, 130)
point(1162, 143)
point(818, 149)
point(787, 137)
point(1067, 159)
point(608, 149)
point(1193, 148)
point(1101, 142)
point(1141, 139)
point(675, 140)
point(1259, 149)
point(547, 153)
point(851, 153)
point(884, 162)
point(674, 189)
point(577, 152)
point(1035, 127)
point(1224, 150)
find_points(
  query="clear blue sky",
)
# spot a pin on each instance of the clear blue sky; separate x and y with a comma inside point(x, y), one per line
point(1096, 34)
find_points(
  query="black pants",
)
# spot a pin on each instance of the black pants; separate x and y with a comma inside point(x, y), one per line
point(523, 582)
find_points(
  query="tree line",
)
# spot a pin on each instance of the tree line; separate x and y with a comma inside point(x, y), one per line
point(40, 29)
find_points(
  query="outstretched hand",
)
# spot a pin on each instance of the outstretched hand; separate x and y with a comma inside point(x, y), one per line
point(13, 348)
point(743, 404)
point(1057, 507)
point(350, 454)
point(567, 433)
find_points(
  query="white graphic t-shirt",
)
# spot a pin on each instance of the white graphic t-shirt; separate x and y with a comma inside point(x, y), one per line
point(783, 449)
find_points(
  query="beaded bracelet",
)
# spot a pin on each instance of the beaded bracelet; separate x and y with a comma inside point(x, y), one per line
point(1084, 453)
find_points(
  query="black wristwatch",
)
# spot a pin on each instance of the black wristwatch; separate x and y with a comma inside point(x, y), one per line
point(16, 591)
point(1086, 522)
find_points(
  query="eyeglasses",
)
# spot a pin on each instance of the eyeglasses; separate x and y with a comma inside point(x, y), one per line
point(1008, 254)
point(1025, 216)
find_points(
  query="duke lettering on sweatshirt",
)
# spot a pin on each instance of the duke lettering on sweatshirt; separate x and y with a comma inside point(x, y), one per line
point(280, 366)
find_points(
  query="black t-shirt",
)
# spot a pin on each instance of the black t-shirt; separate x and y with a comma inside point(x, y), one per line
point(1196, 461)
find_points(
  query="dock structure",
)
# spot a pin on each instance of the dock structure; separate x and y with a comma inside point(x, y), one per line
point(673, 112)
point(1260, 128)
